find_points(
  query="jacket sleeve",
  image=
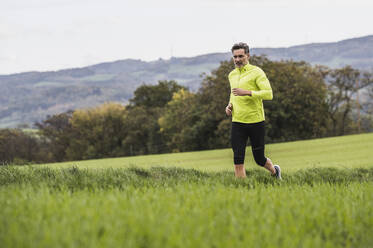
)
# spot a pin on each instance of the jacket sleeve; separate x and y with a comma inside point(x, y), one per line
point(230, 88)
point(265, 90)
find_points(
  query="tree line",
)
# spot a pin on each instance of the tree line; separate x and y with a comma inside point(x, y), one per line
point(309, 102)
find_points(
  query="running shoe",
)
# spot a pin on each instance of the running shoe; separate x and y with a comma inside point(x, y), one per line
point(278, 172)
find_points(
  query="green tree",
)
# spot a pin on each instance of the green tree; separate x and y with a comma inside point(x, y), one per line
point(151, 96)
point(97, 132)
point(198, 121)
point(17, 147)
point(213, 97)
point(146, 107)
point(180, 121)
point(143, 135)
point(57, 131)
point(343, 84)
point(298, 109)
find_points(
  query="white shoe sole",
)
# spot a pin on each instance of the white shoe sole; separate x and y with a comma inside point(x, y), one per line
point(278, 171)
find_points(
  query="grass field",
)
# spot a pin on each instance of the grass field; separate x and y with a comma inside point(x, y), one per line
point(193, 200)
point(339, 152)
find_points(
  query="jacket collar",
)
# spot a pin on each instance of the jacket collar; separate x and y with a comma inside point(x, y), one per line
point(244, 68)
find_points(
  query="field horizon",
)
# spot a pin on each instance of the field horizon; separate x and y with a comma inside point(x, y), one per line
point(350, 151)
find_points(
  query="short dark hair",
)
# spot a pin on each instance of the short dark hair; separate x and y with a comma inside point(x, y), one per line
point(240, 45)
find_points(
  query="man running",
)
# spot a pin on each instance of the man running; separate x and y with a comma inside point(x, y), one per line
point(249, 87)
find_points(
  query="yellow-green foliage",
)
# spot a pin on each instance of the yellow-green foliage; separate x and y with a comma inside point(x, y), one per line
point(96, 131)
point(174, 122)
point(97, 114)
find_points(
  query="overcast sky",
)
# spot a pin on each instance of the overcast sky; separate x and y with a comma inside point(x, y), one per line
point(46, 35)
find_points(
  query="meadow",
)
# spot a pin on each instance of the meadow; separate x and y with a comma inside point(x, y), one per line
point(338, 152)
point(193, 200)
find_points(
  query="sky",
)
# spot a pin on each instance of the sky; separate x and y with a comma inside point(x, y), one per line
point(45, 35)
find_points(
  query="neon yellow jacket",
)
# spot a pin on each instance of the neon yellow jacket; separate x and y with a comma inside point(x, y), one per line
point(249, 109)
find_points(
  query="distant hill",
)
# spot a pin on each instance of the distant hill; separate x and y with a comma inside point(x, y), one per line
point(31, 96)
point(357, 52)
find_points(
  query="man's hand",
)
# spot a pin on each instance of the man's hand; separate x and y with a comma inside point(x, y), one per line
point(228, 109)
point(241, 92)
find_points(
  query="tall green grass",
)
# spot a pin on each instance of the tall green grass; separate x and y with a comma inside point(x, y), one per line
point(92, 179)
point(173, 207)
point(193, 200)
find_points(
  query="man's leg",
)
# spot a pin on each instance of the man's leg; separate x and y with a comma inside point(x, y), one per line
point(257, 133)
point(239, 170)
point(269, 166)
point(239, 138)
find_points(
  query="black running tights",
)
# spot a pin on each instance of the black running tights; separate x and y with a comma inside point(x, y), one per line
point(240, 133)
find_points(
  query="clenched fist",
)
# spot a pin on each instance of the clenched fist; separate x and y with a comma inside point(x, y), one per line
point(228, 109)
point(241, 92)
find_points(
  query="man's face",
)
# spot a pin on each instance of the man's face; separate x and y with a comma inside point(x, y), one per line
point(240, 58)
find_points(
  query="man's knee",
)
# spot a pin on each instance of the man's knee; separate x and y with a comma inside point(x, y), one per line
point(259, 157)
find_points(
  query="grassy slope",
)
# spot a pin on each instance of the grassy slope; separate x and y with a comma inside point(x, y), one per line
point(346, 152)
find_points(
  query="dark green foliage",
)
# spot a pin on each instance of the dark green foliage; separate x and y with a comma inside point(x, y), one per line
point(151, 96)
point(78, 179)
point(343, 86)
point(298, 109)
point(212, 99)
point(18, 147)
point(146, 107)
point(58, 131)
